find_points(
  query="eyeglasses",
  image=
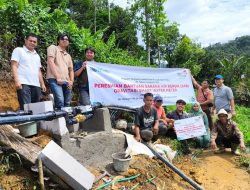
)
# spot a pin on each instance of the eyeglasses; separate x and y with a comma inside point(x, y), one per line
point(64, 39)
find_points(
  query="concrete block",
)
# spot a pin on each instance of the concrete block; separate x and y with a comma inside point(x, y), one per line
point(39, 107)
point(51, 98)
point(66, 167)
point(56, 126)
point(99, 122)
point(73, 128)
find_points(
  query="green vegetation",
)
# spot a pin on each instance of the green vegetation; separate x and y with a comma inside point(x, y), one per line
point(114, 37)
point(7, 161)
point(243, 120)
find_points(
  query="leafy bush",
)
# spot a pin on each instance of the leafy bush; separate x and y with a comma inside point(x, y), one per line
point(19, 18)
point(243, 121)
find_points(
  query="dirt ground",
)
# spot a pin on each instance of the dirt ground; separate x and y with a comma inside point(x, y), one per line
point(220, 172)
point(211, 171)
point(8, 97)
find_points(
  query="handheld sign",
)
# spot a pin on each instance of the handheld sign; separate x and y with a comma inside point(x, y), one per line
point(189, 128)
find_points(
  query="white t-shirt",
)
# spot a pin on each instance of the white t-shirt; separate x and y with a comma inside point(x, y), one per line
point(29, 64)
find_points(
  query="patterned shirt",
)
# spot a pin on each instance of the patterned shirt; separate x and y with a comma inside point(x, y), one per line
point(226, 131)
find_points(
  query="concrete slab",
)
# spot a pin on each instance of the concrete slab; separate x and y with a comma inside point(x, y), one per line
point(95, 149)
point(99, 122)
point(66, 167)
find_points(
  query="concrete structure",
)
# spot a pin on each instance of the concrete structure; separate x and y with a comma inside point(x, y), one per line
point(93, 150)
point(66, 167)
point(96, 148)
point(56, 126)
point(99, 122)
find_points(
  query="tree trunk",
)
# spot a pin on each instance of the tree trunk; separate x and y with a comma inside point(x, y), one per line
point(147, 32)
point(21, 145)
point(159, 55)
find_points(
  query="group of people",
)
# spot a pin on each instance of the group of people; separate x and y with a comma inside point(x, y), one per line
point(28, 78)
point(151, 119)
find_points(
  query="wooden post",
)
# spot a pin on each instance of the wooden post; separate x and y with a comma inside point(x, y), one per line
point(40, 170)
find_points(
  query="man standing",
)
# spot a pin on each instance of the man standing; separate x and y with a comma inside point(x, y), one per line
point(205, 98)
point(80, 72)
point(223, 96)
point(178, 114)
point(60, 73)
point(26, 70)
point(146, 120)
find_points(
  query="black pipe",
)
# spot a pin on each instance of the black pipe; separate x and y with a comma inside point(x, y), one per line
point(174, 168)
point(11, 113)
point(121, 108)
point(26, 118)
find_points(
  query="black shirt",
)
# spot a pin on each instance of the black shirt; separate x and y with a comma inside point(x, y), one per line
point(145, 120)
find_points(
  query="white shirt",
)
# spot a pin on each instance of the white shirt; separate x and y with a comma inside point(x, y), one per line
point(29, 64)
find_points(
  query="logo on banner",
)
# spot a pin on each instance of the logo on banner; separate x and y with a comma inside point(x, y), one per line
point(98, 70)
point(182, 74)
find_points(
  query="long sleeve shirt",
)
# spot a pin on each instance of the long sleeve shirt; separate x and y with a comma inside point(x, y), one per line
point(227, 130)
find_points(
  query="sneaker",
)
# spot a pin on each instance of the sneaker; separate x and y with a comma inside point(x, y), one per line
point(234, 149)
point(235, 152)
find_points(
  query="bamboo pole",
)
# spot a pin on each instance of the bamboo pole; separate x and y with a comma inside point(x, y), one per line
point(40, 170)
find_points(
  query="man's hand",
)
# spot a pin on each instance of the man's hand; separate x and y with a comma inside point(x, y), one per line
point(60, 81)
point(242, 146)
point(43, 88)
point(84, 64)
point(138, 138)
point(18, 85)
point(165, 122)
point(213, 145)
point(70, 84)
point(155, 130)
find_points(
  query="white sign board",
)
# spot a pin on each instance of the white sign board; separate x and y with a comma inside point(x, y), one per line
point(112, 84)
point(189, 128)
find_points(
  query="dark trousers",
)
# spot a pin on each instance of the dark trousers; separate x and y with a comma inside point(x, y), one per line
point(209, 117)
point(227, 142)
point(28, 94)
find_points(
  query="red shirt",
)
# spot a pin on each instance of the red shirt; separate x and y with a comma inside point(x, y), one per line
point(160, 112)
point(200, 97)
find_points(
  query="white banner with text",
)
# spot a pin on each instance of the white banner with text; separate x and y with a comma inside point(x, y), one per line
point(112, 84)
point(189, 128)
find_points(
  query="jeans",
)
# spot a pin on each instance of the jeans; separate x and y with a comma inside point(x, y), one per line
point(28, 94)
point(62, 94)
point(84, 97)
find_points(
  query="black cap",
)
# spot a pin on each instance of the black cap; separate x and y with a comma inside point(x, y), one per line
point(181, 102)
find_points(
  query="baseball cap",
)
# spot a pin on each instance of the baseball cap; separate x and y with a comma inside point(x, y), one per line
point(181, 102)
point(158, 98)
point(218, 77)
